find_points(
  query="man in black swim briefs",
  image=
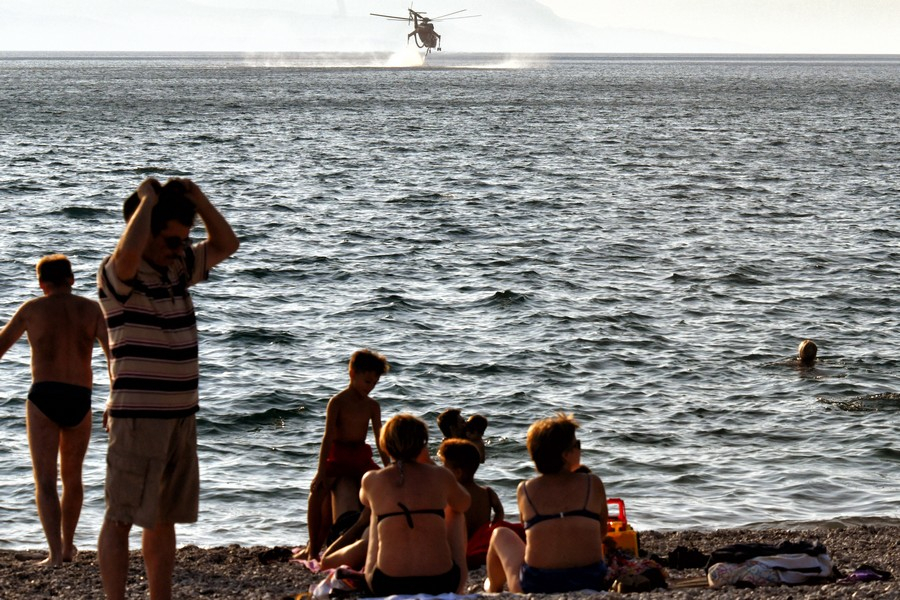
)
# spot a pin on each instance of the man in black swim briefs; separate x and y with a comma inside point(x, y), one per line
point(61, 329)
point(63, 403)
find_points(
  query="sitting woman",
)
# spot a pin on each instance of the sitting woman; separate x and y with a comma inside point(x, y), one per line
point(565, 518)
point(417, 535)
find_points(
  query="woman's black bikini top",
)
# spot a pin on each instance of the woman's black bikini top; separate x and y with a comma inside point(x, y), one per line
point(581, 512)
point(409, 513)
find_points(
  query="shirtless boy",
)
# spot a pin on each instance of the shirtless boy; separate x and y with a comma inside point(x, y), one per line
point(344, 452)
point(61, 330)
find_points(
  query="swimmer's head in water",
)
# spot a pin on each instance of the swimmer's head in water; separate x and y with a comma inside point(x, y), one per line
point(807, 352)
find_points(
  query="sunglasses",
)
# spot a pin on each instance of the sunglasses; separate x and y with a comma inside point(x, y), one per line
point(174, 242)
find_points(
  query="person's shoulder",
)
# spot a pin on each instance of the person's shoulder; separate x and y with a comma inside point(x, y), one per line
point(448, 479)
point(372, 479)
point(369, 480)
point(481, 491)
point(30, 304)
point(442, 472)
point(369, 476)
point(596, 482)
point(25, 310)
point(341, 398)
point(37, 306)
point(85, 302)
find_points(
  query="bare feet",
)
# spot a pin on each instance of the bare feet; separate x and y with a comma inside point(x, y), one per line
point(50, 562)
point(70, 553)
point(306, 554)
point(56, 561)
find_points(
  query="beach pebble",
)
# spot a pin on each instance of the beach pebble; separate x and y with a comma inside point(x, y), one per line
point(246, 573)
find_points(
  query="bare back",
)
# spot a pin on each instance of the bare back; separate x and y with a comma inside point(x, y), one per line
point(559, 543)
point(61, 331)
point(416, 544)
point(479, 511)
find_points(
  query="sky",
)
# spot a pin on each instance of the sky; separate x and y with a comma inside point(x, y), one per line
point(504, 26)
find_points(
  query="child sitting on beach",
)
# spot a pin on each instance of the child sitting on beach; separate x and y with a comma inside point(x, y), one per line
point(461, 457)
point(344, 452)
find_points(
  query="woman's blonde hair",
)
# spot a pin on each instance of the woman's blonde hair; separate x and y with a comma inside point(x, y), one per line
point(549, 439)
point(403, 437)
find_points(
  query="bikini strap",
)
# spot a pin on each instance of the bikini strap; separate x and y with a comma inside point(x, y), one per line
point(527, 497)
point(407, 514)
point(588, 497)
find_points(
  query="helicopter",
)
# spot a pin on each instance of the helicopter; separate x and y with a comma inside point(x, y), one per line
point(423, 27)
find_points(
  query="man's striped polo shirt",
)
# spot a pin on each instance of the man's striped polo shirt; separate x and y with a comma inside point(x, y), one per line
point(153, 337)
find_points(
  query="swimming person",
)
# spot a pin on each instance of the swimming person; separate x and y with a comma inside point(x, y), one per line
point(417, 537)
point(565, 517)
point(61, 330)
point(806, 353)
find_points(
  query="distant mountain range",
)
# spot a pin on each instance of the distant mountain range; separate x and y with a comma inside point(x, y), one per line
point(505, 26)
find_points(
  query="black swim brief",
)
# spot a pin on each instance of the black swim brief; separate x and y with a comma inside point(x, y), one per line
point(63, 403)
point(445, 583)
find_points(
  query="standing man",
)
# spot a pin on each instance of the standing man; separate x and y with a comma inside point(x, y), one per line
point(61, 330)
point(152, 476)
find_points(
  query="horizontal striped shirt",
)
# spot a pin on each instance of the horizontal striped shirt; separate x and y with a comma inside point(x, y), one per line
point(153, 337)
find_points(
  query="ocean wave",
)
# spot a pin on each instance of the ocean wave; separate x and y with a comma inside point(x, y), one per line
point(885, 402)
point(502, 299)
point(643, 281)
point(260, 335)
point(86, 212)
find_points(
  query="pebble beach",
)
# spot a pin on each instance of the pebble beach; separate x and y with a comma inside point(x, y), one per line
point(265, 573)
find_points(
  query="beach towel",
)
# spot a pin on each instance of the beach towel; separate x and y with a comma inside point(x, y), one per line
point(739, 553)
point(788, 569)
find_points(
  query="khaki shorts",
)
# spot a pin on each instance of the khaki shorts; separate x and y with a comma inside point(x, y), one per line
point(152, 472)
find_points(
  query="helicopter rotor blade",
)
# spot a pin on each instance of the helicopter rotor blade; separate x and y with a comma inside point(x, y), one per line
point(392, 17)
point(448, 14)
point(455, 18)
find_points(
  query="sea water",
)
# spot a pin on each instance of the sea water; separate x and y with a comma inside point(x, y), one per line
point(640, 241)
